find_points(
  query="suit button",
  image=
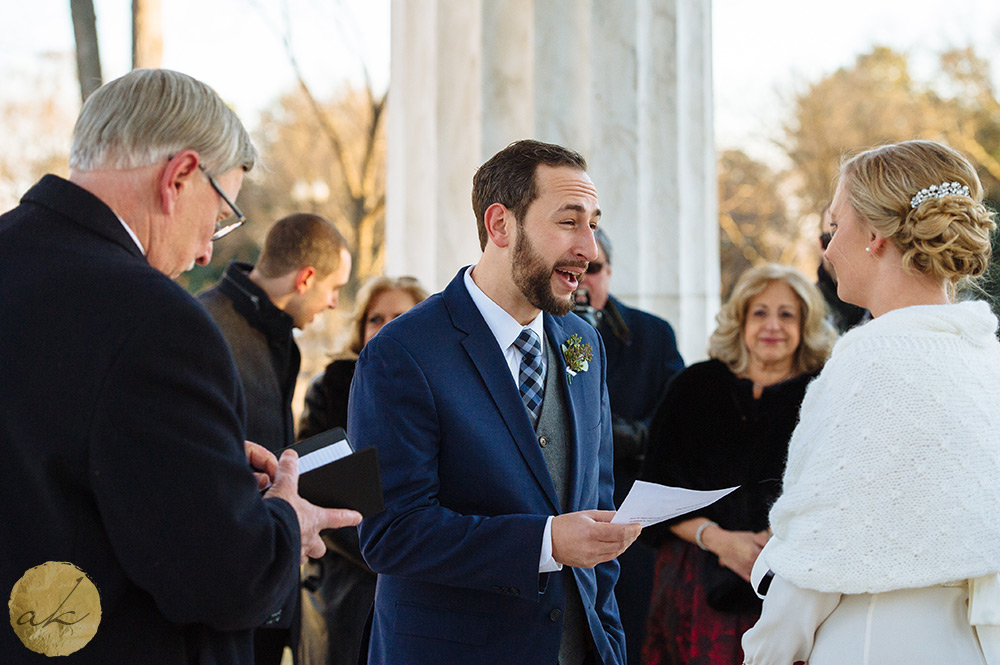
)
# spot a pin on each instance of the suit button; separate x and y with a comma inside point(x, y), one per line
point(555, 614)
point(542, 441)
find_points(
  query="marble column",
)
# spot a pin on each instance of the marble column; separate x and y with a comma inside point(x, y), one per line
point(628, 83)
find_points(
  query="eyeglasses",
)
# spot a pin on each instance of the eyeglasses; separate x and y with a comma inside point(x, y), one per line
point(824, 239)
point(225, 229)
point(595, 267)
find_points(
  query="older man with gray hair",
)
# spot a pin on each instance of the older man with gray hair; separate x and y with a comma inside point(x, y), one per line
point(122, 424)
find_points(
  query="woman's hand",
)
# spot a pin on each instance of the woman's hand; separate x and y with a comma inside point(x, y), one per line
point(737, 550)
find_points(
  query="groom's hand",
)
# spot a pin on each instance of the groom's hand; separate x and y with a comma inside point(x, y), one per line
point(587, 538)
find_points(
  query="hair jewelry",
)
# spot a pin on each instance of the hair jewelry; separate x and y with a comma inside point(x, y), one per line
point(938, 191)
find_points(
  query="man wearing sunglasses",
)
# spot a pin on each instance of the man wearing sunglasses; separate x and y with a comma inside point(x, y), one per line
point(642, 358)
point(843, 315)
point(122, 421)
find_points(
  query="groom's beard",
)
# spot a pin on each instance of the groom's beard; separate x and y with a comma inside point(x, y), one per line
point(534, 278)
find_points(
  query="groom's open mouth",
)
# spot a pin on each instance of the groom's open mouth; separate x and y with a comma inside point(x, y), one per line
point(569, 277)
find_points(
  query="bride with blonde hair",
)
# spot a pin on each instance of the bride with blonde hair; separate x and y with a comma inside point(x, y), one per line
point(886, 545)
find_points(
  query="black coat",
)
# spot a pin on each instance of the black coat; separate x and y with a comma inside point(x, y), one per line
point(340, 587)
point(267, 358)
point(842, 315)
point(121, 434)
point(710, 433)
point(642, 358)
point(326, 399)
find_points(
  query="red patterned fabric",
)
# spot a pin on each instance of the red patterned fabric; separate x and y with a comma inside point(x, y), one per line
point(682, 628)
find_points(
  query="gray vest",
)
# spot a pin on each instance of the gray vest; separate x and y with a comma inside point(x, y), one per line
point(554, 433)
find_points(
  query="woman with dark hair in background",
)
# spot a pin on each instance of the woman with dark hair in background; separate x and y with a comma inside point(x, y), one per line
point(379, 301)
point(340, 587)
point(726, 422)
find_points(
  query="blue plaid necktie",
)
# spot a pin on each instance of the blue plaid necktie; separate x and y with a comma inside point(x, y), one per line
point(531, 377)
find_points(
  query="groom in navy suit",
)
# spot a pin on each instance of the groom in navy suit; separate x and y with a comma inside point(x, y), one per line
point(489, 409)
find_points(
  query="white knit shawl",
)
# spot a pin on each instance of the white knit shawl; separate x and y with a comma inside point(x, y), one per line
point(893, 474)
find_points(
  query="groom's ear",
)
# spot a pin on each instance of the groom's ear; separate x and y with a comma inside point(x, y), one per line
point(499, 222)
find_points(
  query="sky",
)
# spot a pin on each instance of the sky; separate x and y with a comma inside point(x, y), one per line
point(236, 46)
point(764, 50)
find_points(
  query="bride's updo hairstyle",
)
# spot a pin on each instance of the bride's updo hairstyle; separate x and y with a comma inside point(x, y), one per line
point(943, 232)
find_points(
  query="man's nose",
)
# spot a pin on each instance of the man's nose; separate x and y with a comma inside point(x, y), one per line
point(206, 257)
point(588, 245)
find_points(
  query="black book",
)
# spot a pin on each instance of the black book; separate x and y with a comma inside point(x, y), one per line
point(338, 477)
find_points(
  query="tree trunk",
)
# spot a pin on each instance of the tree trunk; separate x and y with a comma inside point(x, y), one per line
point(88, 58)
point(147, 34)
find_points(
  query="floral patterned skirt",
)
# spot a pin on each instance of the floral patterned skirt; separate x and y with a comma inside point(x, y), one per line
point(682, 628)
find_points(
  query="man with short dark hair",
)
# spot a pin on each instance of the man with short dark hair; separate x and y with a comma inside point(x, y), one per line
point(302, 267)
point(488, 407)
point(122, 422)
point(642, 358)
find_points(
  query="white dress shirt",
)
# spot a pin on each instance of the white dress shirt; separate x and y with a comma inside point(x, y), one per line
point(131, 233)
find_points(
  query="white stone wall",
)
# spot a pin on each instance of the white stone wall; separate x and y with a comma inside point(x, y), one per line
point(628, 83)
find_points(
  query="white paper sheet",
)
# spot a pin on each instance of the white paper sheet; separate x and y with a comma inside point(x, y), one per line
point(330, 453)
point(649, 503)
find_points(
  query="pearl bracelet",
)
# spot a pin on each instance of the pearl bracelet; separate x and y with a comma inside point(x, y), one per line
point(701, 529)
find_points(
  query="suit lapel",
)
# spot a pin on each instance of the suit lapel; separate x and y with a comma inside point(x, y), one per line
point(481, 346)
point(557, 334)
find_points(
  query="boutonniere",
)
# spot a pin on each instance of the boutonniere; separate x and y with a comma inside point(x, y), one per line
point(577, 356)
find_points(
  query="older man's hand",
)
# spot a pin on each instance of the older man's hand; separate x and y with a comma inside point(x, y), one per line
point(263, 462)
point(312, 518)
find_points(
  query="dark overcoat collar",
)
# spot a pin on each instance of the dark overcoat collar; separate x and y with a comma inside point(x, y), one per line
point(81, 207)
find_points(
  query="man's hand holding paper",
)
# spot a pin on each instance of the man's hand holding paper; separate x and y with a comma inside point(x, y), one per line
point(648, 503)
point(589, 537)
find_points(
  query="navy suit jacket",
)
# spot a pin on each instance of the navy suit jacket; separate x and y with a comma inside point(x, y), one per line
point(121, 437)
point(468, 492)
